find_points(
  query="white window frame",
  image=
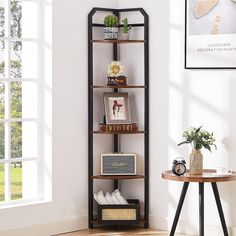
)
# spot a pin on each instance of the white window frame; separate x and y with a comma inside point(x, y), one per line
point(38, 120)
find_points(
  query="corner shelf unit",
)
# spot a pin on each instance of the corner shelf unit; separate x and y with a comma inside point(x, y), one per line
point(92, 219)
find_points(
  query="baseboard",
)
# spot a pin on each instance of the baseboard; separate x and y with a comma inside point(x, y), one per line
point(187, 227)
point(49, 229)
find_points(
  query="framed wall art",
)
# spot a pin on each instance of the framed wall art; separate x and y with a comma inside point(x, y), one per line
point(210, 34)
point(117, 108)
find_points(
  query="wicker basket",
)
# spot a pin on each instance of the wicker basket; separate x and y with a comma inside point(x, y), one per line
point(120, 214)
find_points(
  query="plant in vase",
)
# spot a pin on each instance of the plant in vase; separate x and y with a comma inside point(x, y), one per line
point(198, 138)
point(125, 30)
point(111, 23)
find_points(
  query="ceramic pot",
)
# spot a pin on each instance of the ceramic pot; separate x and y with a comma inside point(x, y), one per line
point(196, 162)
point(110, 33)
point(125, 36)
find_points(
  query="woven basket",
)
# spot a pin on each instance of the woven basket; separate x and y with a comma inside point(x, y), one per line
point(120, 214)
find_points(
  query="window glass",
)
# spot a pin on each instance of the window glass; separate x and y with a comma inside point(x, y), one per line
point(24, 99)
point(16, 180)
point(2, 17)
point(24, 60)
point(2, 141)
point(2, 100)
point(24, 19)
point(16, 139)
point(2, 59)
point(2, 182)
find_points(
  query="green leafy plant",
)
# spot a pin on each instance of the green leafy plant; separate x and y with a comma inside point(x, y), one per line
point(126, 27)
point(111, 21)
point(198, 138)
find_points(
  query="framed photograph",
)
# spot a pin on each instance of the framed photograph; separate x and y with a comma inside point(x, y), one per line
point(117, 108)
point(210, 34)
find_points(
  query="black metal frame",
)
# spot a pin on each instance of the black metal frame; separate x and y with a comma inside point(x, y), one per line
point(201, 208)
point(90, 107)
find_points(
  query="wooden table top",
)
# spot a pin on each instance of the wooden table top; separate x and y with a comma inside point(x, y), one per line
point(208, 175)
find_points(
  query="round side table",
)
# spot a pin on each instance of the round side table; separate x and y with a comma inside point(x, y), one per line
point(209, 176)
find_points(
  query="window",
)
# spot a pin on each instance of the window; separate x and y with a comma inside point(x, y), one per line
point(21, 72)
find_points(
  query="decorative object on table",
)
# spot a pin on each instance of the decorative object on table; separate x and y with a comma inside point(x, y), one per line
point(115, 77)
point(125, 30)
point(129, 128)
point(198, 138)
point(179, 166)
point(111, 23)
point(118, 164)
point(222, 170)
point(117, 108)
point(210, 38)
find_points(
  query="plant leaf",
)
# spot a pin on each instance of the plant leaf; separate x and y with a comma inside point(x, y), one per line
point(184, 142)
point(207, 147)
point(198, 129)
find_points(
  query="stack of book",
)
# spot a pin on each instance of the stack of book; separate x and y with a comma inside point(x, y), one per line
point(114, 198)
point(129, 128)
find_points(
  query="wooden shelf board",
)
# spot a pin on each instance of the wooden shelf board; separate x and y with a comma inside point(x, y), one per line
point(95, 221)
point(117, 41)
point(136, 132)
point(118, 177)
point(118, 86)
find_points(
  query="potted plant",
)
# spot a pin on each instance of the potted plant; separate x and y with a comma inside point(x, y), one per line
point(198, 138)
point(125, 30)
point(111, 23)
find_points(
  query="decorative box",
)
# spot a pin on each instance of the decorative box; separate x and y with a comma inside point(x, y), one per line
point(118, 164)
point(115, 81)
point(120, 214)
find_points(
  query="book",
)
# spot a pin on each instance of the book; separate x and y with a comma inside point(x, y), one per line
point(120, 197)
point(133, 127)
point(101, 198)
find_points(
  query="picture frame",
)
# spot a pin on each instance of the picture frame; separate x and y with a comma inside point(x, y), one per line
point(117, 109)
point(210, 38)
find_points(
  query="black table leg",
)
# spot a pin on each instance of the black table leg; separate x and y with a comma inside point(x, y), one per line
point(179, 207)
point(201, 209)
point(219, 206)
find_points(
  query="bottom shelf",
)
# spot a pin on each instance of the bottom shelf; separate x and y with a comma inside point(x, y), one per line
point(95, 221)
point(124, 214)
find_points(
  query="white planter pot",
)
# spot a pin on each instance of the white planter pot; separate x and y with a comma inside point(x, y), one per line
point(125, 36)
point(110, 33)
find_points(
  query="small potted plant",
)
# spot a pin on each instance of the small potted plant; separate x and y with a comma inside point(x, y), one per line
point(111, 23)
point(198, 138)
point(125, 30)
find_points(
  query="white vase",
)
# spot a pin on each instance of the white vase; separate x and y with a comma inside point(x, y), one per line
point(196, 162)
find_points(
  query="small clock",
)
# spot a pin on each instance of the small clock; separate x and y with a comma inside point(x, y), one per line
point(179, 166)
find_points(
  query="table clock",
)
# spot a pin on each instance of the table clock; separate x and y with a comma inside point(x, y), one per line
point(179, 166)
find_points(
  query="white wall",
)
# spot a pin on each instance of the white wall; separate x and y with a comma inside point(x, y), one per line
point(68, 209)
point(178, 99)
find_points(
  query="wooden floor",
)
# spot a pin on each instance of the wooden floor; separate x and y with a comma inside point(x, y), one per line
point(121, 232)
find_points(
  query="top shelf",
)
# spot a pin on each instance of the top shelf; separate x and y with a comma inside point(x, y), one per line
point(118, 41)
